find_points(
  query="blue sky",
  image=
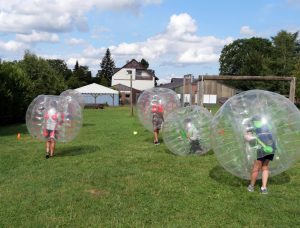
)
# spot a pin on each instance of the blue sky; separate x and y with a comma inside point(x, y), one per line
point(176, 37)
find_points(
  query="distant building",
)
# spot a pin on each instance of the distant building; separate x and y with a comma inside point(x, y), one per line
point(210, 88)
point(124, 92)
point(142, 78)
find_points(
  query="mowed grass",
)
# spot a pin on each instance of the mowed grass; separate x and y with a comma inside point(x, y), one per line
point(109, 177)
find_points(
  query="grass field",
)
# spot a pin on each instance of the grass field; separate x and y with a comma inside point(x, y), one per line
point(109, 177)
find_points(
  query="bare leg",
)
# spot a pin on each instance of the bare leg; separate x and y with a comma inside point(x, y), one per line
point(47, 146)
point(52, 147)
point(265, 173)
point(255, 171)
point(156, 132)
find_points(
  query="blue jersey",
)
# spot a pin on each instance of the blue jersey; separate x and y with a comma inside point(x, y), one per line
point(264, 135)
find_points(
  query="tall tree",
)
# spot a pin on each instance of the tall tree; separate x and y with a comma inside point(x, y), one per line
point(296, 73)
point(81, 76)
point(107, 67)
point(144, 63)
point(287, 52)
point(247, 57)
point(15, 92)
point(61, 67)
point(76, 67)
point(45, 79)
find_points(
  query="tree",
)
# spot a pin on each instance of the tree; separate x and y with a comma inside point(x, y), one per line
point(296, 73)
point(144, 63)
point(45, 79)
point(107, 65)
point(15, 93)
point(287, 51)
point(84, 75)
point(76, 67)
point(81, 76)
point(61, 67)
point(247, 57)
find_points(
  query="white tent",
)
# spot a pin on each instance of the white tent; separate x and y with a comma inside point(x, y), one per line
point(96, 90)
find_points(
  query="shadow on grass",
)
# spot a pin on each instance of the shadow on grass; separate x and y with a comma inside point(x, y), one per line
point(76, 150)
point(282, 178)
point(88, 124)
point(167, 151)
point(209, 153)
point(220, 175)
point(151, 138)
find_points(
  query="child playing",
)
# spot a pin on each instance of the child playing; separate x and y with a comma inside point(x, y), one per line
point(52, 119)
point(157, 117)
point(192, 134)
point(262, 136)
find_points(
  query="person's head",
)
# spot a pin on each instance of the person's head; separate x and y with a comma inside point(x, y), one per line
point(155, 100)
point(187, 123)
point(258, 121)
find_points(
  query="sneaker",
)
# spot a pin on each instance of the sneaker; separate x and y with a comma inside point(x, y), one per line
point(47, 156)
point(156, 143)
point(263, 190)
point(250, 188)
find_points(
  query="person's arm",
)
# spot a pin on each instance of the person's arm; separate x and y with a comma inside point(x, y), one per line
point(249, 136)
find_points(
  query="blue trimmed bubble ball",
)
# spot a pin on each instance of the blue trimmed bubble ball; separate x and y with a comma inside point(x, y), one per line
point(255, 124)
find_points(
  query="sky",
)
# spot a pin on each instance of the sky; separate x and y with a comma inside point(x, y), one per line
point(176, 37)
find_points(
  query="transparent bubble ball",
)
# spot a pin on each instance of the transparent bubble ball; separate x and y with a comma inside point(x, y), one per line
point(58, 113)
point(165, 99)
point(74, 95)
point(255, 122)
point(186, 131)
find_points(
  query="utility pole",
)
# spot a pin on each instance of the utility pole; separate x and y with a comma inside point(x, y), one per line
point(131, 97)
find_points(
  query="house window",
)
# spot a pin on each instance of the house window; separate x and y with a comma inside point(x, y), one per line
point(127, 95)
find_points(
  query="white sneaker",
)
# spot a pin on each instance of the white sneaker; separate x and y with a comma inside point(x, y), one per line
point(250, 188)
point(263, 190)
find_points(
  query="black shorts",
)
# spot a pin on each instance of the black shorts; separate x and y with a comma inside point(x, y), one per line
point(267, 157)
point(50, 134)
point(195, 146)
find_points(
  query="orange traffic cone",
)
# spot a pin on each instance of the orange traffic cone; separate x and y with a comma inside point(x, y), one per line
point(18, 136)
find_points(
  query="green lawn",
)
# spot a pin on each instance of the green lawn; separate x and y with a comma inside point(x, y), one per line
point(109, 177)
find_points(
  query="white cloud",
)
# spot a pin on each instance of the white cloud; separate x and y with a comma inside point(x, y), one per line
point(38, 37)
point(75, 41)
point(247, 31)
point(181, 24)
point(179, 44)
point(98, 32)
point(11, 46)
point(56, 16)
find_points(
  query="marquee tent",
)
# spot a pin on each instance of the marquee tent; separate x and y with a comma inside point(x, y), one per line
point(96, 90)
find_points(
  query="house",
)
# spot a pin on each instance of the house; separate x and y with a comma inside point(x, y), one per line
point(125, 94)
point(142, 78)
point(212, 89)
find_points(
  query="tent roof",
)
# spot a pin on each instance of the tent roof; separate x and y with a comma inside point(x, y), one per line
point(95, 88)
